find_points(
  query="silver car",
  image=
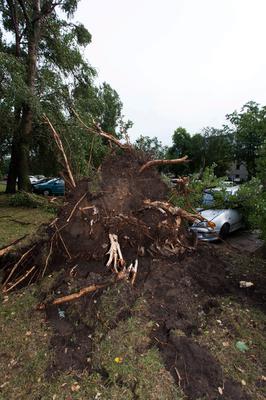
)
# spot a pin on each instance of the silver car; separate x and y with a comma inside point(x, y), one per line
point(218, 223)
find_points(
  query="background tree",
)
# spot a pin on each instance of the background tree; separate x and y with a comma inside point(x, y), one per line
point(151, 146)
point(181, 146)
point(261, 164)
point(204, 149)
point(249, 127)
point(44, 72)
point(218, 149)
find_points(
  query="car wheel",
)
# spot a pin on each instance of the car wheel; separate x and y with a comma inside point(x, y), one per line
point(46, 192)
point(224, 231)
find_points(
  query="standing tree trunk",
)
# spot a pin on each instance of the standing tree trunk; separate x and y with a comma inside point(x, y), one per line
point(19, 164)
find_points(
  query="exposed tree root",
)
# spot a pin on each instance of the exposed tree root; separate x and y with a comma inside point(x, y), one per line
point(18, 281)
point(175, 211)
point(153, 163)
point(115, 254)
point(49, 255)
point(10, 246)
point(76, 205)
point(16, 266)
point(127, 274)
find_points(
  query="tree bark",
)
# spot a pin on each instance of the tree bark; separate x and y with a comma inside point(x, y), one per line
point(13, 167)
point(19, 164)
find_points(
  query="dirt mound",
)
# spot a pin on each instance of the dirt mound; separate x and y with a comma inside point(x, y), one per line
point(177, 282)
point(114, 203)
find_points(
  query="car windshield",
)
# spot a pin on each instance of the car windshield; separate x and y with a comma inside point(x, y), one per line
point(207, 199)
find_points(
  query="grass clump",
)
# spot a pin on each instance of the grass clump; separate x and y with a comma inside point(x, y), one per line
point(221, 334)
point(129, 362)
point(24, 346)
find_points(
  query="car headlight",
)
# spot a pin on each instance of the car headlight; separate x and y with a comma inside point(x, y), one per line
point(202, 224)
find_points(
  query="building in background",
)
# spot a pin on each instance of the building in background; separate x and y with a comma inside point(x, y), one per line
point(237, 172)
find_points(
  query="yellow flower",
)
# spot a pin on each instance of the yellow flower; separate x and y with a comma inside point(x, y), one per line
point(118, 360)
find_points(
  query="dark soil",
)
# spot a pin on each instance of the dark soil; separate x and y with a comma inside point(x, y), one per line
point(179, 289)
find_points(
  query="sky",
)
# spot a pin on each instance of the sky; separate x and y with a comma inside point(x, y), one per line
point(178, 62)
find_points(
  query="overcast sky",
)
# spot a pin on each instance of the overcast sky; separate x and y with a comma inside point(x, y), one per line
point(178, 62)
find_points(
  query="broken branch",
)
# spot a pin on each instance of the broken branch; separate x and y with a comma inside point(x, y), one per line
point(61, 148)
point(97, 130)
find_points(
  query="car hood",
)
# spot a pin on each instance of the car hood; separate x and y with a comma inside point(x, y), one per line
point(211, 214)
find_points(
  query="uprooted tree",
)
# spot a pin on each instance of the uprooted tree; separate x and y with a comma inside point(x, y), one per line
point(125, 203)
point(117, 228)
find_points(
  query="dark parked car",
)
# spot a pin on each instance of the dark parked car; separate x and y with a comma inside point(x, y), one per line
point(55, 186)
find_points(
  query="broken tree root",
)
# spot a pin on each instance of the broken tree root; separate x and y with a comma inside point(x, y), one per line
point(115, 252)
point(175, 211)
point(10, 246)
point(16, 266)
point(21, 279)
point(75, 296)
point(153, 163)
point(76, 205)
point(122, 275)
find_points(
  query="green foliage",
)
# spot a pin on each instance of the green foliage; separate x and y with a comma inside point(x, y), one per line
point(261, 164)
point(64, 80)
point(181, 146)
point(218, 149)
point(24, 199)
point(205, 149)
point(151, 146)
point(249, 133)
point(31, 200)
point(251, 199)
point(193, 197)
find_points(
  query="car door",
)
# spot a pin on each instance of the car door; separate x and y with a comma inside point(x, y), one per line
point(234, 219)
point(59, 187)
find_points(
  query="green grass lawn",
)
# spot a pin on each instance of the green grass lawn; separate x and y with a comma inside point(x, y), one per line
point(16, 222)
point(2, 187)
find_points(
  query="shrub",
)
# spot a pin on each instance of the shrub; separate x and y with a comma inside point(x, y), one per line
point(31, 200)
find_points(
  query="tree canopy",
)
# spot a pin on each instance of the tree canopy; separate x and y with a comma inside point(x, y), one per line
point(44, 72)
point(249, 130)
